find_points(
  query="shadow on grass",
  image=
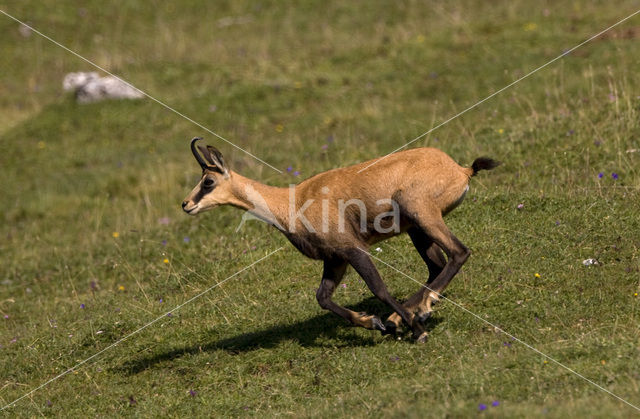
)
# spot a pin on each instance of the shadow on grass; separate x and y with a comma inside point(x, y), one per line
point(325, 330)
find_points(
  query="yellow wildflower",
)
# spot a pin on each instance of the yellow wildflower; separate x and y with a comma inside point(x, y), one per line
point(115, 234)
point(530, 26)
point(279, 128)
point(166, 260)
point(121, 287)
point(501, 131)
point(537, 275)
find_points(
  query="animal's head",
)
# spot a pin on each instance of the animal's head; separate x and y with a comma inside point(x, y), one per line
point(214, 187)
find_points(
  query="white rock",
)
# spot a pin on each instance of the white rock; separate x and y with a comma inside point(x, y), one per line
point(74, 81)
point(90, 87)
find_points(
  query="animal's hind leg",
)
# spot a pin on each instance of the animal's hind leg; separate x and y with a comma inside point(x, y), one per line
point(457, 254)
point(434, 259)
point(429, 220)
point(333, 272)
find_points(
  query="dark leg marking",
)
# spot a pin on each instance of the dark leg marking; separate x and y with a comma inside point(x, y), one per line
point(363, 264)
point(434, 259)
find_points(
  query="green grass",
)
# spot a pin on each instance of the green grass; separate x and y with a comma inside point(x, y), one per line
point(371, 76)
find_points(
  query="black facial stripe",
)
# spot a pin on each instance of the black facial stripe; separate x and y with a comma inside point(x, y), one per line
point(201, 193)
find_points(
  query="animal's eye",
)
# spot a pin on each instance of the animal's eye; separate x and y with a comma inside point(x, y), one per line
point(208, 182)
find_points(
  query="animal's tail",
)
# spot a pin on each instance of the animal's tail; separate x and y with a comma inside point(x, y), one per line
point(483, 163)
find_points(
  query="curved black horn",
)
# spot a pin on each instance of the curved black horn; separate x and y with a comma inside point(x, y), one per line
point(197, 155)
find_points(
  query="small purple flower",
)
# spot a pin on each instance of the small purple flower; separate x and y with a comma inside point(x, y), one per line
point(557, 223)
point(186, 239)
point(507, 344)
point(482, 406)
point(49, 404)
point(394, 358)
point(597, 143)
point(94, 285)
point(6, 316)
point(193, 393)
point(570, 132)
point(495, 403)
point(160, 300)
point(289, 169)
point(164, 242)
point(600, 175)
point(324, 146)
point(614, 176)
point(169, 315)
point(296, 173)
point(14, 340)
point(344, 285)
point(82, 305)
point(520, 206)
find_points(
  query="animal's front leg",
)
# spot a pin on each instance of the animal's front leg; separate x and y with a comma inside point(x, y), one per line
point(331, 277)
point(363, 264)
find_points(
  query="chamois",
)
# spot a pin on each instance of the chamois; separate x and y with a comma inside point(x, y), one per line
point(335, 216)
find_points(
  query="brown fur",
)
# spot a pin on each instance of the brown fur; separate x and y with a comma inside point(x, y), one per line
point(425, 183)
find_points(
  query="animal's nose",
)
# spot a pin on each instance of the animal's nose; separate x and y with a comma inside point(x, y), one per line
point(184, 204)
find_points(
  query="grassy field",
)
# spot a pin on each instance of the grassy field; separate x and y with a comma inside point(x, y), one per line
point(94, 244)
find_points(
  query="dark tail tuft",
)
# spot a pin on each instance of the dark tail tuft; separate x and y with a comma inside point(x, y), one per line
point(483, 163)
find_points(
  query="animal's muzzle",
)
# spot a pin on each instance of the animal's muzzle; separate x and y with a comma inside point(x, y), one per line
point(188, 210)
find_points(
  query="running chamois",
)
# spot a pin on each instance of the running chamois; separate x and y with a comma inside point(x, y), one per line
point(335, 216)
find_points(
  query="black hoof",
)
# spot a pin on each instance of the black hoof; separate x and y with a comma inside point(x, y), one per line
point(391, 328)
point(377, 324)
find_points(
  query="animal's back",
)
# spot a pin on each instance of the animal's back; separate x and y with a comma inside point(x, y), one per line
point(427, 173)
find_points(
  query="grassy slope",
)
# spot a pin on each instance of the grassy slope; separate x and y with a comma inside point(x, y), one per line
point(371, 77)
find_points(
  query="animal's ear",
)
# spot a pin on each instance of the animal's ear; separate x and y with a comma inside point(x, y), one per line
point(216, 157)
point(209, 156)
point(206, 154)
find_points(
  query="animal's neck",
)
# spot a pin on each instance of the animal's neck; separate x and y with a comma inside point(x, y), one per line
point(269, 203)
